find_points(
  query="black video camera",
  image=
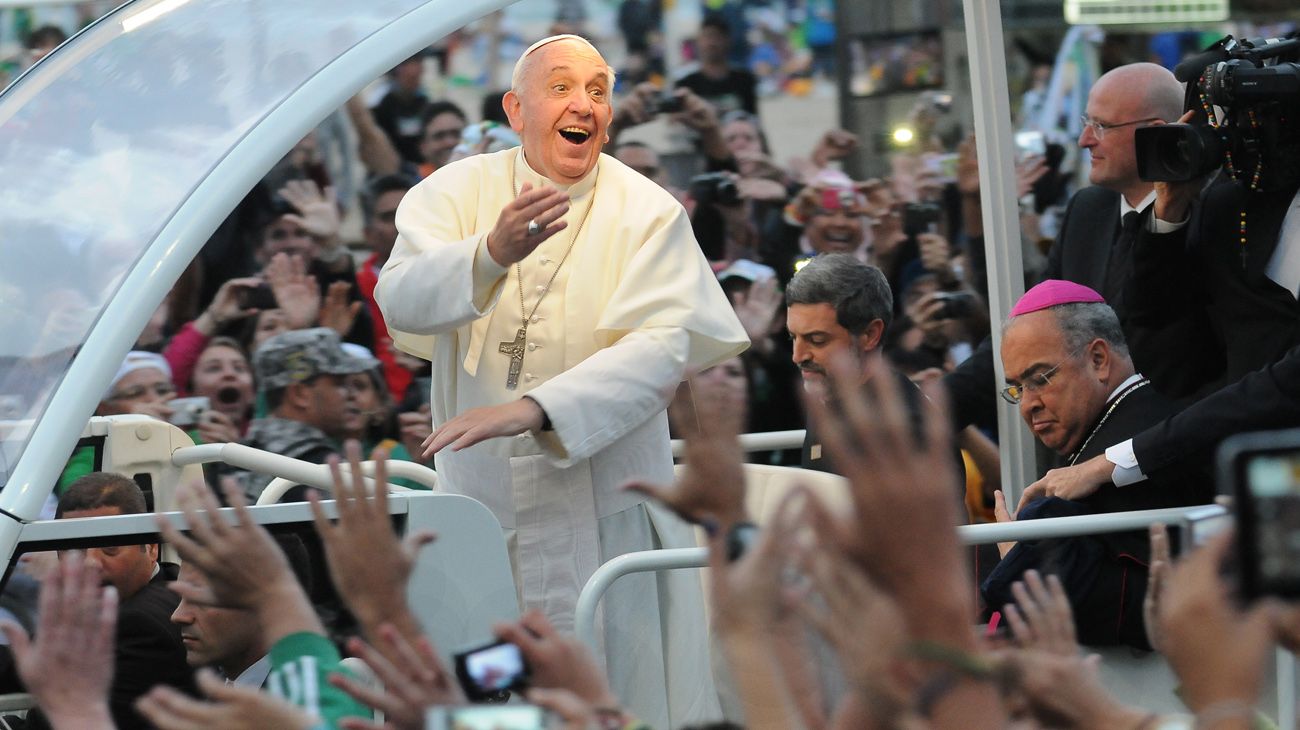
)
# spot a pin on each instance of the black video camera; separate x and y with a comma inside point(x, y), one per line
point(714, 188)
point(1256, 83)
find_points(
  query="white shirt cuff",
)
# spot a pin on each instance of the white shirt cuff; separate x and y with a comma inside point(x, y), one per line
point(1160, 226)
point(1126, 470)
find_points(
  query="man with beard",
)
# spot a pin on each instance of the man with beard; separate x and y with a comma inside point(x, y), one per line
point(312, 406)
point(838, 306)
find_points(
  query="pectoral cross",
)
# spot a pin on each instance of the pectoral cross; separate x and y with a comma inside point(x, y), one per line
point(515, 350)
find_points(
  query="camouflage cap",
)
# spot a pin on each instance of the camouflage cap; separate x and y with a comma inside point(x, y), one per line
point(298, 355)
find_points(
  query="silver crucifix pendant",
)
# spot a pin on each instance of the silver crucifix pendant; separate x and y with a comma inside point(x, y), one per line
point(515, 350)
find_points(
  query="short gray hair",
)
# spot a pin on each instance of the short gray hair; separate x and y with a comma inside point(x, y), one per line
point(859, 292)
point(1083, 322)
point(521, 66)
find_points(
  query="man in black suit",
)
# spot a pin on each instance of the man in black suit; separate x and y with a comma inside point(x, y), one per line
point(1069, 370)
point(1094, 246)
point(148, 648)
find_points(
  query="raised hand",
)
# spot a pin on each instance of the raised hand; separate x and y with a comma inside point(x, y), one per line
point(558, 661)
point(296, 291)
point(413, 679)
point(336, 311)
point(709, 416)
point(1041, 617)
point(69, 666)
point(369, 565)
point(318, 213)
point(509, 242)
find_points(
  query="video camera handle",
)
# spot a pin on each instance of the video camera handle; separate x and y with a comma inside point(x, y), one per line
point(1253, 50)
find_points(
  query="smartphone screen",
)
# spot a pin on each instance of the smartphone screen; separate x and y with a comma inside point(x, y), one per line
point(1266, 471)
point(491, 670)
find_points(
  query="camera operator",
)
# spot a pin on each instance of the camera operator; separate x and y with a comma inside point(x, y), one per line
point(1094, 245)
point(1234, 256)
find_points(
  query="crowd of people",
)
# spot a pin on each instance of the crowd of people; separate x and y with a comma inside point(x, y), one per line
point(863, 304)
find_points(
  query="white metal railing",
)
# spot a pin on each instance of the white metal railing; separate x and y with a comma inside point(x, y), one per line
point(290, 471)
point(762, 441)
point(983, 534)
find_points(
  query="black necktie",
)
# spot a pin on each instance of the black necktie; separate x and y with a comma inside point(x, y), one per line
point(1120, 262)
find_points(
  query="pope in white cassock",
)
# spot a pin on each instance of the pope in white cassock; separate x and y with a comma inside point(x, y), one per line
point(560, 297)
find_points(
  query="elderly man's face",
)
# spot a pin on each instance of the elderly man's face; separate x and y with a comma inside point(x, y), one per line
point(1060, 413)
point(562, 110)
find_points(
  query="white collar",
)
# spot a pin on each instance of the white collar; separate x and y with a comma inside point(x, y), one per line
point(1130, 380)
point(255, 675)
point(1143, 204)
point(525, 173)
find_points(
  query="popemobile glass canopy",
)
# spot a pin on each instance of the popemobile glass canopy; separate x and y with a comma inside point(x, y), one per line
point(121, 153)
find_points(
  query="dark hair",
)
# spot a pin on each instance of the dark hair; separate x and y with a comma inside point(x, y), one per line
point(717, 22)
point(740, 115)
point(101, 489)
point(295, 551)
point(46, 35)
point(859, 292)
point(440, 107)
point(377, 186)
point(493, 110)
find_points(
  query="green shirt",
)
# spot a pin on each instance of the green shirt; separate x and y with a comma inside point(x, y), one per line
point(300, 664)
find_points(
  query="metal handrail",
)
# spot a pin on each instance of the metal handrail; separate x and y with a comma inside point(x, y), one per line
point(760, 441)
point(294, 471)
point(679, 558)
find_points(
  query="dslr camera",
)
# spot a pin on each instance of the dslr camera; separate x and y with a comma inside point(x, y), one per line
point(714, 188)
point(1256, 86)
point(665, 102)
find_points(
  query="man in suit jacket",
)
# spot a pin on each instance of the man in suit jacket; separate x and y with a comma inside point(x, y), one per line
point(1093, 247)
point(148, 648)
point(1069, 370)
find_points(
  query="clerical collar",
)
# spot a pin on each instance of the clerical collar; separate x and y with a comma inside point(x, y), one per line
point(1117, 396)
point(524, 173)
point(1130, 380)
point(1143, 204)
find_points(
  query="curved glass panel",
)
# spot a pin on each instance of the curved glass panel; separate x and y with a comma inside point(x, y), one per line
point(102, 142)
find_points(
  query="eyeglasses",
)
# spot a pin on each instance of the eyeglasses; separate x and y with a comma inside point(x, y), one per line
point(1013, 394)
point(165, 391)
point(1099, 128)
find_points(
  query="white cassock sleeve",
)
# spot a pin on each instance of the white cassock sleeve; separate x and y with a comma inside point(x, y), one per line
point(439, 275)
point(666, 319)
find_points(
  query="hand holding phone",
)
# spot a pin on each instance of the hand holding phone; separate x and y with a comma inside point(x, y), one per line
point(492, 671)
point(1263, 471)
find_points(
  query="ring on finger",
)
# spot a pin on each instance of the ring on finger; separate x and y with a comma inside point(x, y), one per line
point(534, 227)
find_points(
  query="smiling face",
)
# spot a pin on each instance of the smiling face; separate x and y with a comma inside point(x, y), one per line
point(561, 110)
point(835, 231)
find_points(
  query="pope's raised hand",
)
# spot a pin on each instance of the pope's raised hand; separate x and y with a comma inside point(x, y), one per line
point(510, 242)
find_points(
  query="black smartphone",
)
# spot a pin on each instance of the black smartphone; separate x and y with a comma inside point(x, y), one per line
point(260, 298)
point(490, 672)
point(1263, 472)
